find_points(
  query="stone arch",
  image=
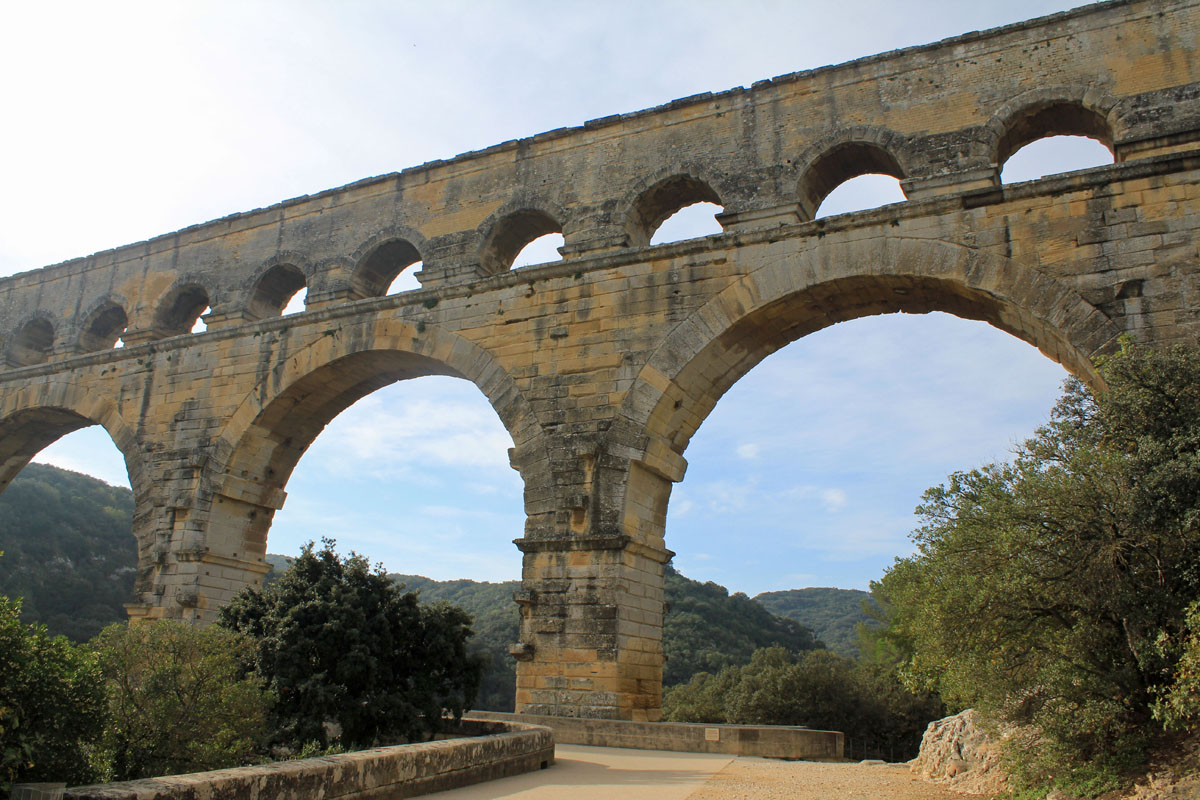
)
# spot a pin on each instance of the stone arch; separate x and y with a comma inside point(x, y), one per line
point(507, 230)
point(805, 290)
point(32, 342)
point(266, 436)
point(1052, 111)
point(280, 277)
point(37, 415)
point(653, 200)
point(103, 325)
point(842, 155)
point(179, 307)
point(377, 261)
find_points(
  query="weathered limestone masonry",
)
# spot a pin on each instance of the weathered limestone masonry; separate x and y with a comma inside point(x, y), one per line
point(603, 365)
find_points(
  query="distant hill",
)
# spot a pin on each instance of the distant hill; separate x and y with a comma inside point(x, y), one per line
point(707, 629)
point(68, 550)
point(833, 614)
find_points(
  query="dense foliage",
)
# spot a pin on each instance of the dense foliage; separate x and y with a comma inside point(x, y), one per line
point(707, 629)
point(68, 550)
point(351, 656)
point(496, 625)
point(817, 689)
point(179, 700)
point(1043, 589)
point(51, 704)
point(834, 615)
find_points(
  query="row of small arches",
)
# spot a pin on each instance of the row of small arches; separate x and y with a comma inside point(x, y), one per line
point(849, 177)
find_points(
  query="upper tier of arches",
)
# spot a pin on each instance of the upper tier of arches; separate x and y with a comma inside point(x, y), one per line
point(628, 221)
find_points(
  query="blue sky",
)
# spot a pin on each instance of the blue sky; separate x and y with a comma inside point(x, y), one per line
point(128, 120)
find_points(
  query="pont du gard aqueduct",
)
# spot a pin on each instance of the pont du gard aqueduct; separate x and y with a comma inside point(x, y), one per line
point(603, 365)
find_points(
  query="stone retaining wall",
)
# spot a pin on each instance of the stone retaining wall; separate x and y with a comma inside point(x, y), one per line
point(767, 741)
point(496, 750)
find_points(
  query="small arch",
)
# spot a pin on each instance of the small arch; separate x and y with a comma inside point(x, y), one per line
point(511, 234)
point(32, 343)
point(1052, 111)
point(663, 200)
point(1061, 118)
point(840, 163)
point(382, 265)
point(103, 327)
point(180, 311)
point(274, 289)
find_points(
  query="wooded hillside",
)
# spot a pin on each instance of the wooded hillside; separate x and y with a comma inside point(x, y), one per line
point(67, 550)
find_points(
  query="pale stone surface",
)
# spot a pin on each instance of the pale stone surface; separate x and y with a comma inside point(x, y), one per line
point(603, 366)
point(603, 773)
point(960, 752)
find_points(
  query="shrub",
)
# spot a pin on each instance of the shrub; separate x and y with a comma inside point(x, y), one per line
point(179, 698)
point(351, 656)
point(51, 704)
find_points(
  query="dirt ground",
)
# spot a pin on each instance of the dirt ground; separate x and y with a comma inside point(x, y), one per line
point(768, 779)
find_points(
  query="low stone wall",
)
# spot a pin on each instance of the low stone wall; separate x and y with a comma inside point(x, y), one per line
point(767, 741)
point(497, 749)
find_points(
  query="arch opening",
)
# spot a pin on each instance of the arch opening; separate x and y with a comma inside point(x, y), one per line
point(861, 193)
point(1053, 155)
point(389, 268)
point(710, 373)
point(32, 343)
point(408, 466)
point(69, 546)
point(1043, 120)
point(661, 205)
point(182, 311)
point(280, 290)
point(510, 238)
point(842, 164)
point(820, 452)
point(104, 328)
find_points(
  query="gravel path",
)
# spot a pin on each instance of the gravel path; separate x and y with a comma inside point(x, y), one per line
point(768, 779)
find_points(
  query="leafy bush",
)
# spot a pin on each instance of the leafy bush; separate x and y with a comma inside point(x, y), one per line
point(817, 689)
point(1042, 589)
point(179, 700)
point(351, 656)
point(51, 704)
point(1177, 704)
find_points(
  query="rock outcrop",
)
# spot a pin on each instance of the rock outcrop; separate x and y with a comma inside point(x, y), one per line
point(959, 752)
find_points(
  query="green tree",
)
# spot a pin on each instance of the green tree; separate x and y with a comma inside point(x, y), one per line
point(817, 689)
point(51, 704)
point(179, 699)
point(1042, 588)
point(344, 648)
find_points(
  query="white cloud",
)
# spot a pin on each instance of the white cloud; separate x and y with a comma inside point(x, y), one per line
point(834, 499)
point(748, 451)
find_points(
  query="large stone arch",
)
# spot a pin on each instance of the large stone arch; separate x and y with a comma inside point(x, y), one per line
point(796, 293)
point(263, 440)
point(39, 414)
